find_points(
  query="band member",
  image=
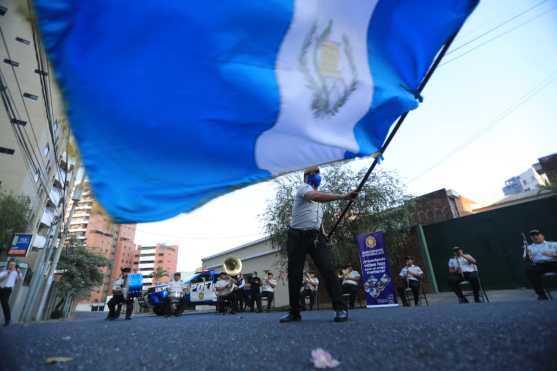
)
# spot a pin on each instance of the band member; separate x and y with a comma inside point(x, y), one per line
point(310, 285)
point(543, 257)
point(462, 267)
point(8, 278)
point(247, 292)
point(350, 281)
point(411, 276)
point(240, 299)
point(268, 289)
point(174, 286)
point(120, 296)
point(255, 293)
point(305, 237)
point(225, 293)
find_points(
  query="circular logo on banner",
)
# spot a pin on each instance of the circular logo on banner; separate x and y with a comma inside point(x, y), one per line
point(371, 242)
point(201, 295)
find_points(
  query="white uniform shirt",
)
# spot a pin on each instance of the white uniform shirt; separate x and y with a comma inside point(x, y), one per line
point(464, 264)
point(352, 278)
point(267, 285)
point(536, 250)
point(306, 214)
point(312, 284)
point(8, 279)
point(412, 269)
point(175, 286)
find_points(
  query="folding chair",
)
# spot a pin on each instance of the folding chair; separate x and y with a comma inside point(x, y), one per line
point(469, 293)
point(547, 291)
point(410, 296)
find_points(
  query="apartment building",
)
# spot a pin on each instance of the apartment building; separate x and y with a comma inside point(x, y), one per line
point(152, 259)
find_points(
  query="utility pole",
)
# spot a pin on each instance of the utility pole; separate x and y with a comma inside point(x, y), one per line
point(52, 268)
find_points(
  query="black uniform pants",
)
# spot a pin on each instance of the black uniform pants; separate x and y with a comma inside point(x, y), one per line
point(535, 273)
point(472, 277)
point(307, 293)
point(115, 306)
point(5, 293)
point(225, 302)
point(351, 290)
point(414, 285)
point(255, 300)
point(270, 296)
point(299, 244)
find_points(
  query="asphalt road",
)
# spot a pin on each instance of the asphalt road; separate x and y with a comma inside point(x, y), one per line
point(498, 336)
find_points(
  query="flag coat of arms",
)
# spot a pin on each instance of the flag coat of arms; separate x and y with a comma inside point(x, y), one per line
point(174, 103)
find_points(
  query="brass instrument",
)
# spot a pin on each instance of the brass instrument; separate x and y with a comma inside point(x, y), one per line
point(232, 265)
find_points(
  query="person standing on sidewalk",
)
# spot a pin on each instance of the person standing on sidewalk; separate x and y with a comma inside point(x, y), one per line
point(8, 279)
point(305, 237)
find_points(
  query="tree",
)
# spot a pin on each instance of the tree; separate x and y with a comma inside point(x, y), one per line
point(381, 205)
point(158, 274)
point(15, 212)
point(80, 272)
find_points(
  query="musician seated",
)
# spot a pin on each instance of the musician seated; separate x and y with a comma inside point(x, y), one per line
point(174, 286)
point(240, 299)
point(411, 276)
point(350, 282)
point(225, 294)
point(542, 255)
point(120, 296)
point(310, 285)
point(268, 289)
point(462, 267)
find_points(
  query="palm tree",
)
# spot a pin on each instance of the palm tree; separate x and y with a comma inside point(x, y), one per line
point(158, 274)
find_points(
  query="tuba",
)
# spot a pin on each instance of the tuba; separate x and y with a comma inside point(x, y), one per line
point(232, 265)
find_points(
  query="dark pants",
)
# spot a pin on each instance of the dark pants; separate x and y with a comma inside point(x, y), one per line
point(351, 290)
point(472, 277)
point(115, 306)
point(270, 296)
point(307, 293)
point(255, 300)
point(240, 302)
point(535, 273)
point(414, 285)
point(225, 302)
point(247, 299)
point(299, 244)
point(5, 293)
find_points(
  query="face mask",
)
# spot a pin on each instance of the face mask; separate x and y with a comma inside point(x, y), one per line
point(314, 180)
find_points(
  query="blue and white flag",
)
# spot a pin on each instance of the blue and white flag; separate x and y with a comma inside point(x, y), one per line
point(176, 102)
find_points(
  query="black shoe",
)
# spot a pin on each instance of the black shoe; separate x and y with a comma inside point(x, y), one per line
point(542, 297)
point(341, 316)
point(462, 300)
point(7, 323)
point(477, 300)
point(290, 318)
point(128, 318)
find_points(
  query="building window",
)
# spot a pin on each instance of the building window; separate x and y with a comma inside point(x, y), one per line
point(22, 40)
point(36, 176)
point(46, 149)
point(31, 96)
point(18, 122)
point(11, 62)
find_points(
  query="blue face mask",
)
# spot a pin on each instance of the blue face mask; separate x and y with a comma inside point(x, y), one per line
point(314, 180)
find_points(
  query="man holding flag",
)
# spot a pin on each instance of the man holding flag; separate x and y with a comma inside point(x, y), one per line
point(305, 237)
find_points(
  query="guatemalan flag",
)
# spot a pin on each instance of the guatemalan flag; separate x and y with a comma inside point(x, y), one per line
point(176, 102)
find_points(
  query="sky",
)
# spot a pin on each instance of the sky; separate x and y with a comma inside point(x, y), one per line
point(487, 115)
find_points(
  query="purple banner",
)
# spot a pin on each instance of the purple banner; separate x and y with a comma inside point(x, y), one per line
point(376, 275)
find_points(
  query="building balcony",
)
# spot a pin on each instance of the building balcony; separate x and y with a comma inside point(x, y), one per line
point(47, 218)
point(54, 197)
point(60, 178)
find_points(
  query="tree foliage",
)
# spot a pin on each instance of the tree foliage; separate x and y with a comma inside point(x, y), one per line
point(81, 271)
point(159, 273)
point(15, 212)
point(382, 205)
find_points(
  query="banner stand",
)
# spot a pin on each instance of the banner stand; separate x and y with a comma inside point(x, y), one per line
point(376, 275)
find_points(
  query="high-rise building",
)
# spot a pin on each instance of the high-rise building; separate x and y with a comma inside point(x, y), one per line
point(91, 225)
point(151, 261)
point(527, 181)
point(34, 158)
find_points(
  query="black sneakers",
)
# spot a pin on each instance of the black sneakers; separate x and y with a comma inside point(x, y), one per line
point(341, 316)
point(290, 318)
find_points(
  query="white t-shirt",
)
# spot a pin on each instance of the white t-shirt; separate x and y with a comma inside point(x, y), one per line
point(306, 214)
point(175, 286)
point(412, 269)
point(536, 250)
point(267, 285)
point(312, 284)
point(8, 279)
point(352, 278)
point(464, 264)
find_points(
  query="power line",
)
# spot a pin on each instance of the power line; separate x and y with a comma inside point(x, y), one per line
point(551, 78)
point(496, 27)
point(498, 36)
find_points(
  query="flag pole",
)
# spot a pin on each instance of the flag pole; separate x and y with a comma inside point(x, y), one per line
point(381, 151)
